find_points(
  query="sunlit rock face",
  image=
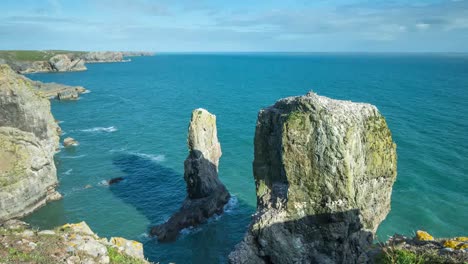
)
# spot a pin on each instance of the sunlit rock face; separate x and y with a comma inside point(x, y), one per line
point(28, 141)
point(324, 171)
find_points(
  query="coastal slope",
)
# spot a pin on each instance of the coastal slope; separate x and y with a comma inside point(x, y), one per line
point(324, 171)
point(28, 138)
point(30, 61)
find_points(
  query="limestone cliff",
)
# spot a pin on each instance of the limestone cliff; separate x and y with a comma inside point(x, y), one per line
point(103, 56)
point(28, 141)
point(66, 63)
point(206, 195)
point(324, 171)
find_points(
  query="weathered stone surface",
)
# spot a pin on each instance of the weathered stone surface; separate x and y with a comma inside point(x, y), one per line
point(71, 243)
point(206, 195)
point(70, 142)
point(129, 247)
point(102, 56)
point(65, 63)
point(201, 166)
point(28, 139)
point(324, 171)
point(55, 90)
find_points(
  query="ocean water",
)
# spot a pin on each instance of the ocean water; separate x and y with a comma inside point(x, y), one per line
point(133, 124)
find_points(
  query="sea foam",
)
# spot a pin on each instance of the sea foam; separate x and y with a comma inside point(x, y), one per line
point(101, 129)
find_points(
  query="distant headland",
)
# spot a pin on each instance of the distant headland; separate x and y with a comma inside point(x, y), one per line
point(32, 61)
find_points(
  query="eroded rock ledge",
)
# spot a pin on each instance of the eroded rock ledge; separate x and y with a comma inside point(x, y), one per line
point(324, 171)
point(206, 195)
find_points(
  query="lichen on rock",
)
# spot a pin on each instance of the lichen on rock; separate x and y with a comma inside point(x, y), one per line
point(28, 140)
point(324, 171)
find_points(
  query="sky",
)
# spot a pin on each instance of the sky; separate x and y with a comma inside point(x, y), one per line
point(236, 26)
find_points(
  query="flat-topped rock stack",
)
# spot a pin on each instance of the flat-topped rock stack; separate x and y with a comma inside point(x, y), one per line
point(324, 171)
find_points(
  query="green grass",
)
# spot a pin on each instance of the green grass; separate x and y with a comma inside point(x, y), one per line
point(33, 55)
point(402, 256)
point(118, 258)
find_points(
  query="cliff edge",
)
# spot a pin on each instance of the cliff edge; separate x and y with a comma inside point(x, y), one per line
point(28, 141)
point(324, 171)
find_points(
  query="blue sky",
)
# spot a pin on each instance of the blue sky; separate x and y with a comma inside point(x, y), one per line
point(215, 25)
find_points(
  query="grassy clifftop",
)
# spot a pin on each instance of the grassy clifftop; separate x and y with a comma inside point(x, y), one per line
point(34, 55)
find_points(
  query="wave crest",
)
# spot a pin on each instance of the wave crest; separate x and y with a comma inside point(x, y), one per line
point(101, 129)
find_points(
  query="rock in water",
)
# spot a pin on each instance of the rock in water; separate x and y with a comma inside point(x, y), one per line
point(206, 195)
point(324, 171)
point(70, 142)
point(28, 140)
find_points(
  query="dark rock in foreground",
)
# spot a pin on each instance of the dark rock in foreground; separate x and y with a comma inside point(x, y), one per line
point(324, 171)
point(206, 194)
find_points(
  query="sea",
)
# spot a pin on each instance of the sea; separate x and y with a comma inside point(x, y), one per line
point(133, 124)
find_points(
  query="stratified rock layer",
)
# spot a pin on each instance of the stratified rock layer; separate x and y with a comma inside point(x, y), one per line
point(324, 171)
point(103, 56)
point(65, 63)
point(206, 195)
point(28, 141)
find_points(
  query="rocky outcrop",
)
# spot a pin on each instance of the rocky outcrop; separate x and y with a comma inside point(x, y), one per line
point(28, 140)
point(103, 56)
point(206, 195)
point(56, 90)
point(423, 248)
point(70, 243)
point(137, 53)
point(324, 171)
point(66, 63)
point(26, 67)
point(70, 142)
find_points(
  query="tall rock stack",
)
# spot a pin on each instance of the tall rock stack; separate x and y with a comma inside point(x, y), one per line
point(324, 171)
point(28, 141)
point(206, 195)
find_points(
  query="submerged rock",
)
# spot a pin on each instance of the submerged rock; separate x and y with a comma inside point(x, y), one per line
point(206, 195)
point(324, 171)
point(115, 180)
point(28, 140)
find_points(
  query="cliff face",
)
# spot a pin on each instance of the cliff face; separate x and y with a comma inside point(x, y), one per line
point(66, 63)
point(28, 141)
point(206, 195)
point(103, 56)
point(324, 171)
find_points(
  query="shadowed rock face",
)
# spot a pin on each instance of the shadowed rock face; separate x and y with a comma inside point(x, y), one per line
point(324, 171)
point(206, 195)
point(28, 141)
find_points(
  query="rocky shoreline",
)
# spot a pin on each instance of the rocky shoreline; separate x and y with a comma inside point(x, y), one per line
point(323, 168)
point(63, 61)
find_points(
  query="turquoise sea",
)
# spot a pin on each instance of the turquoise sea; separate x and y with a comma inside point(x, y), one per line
point(134, 123)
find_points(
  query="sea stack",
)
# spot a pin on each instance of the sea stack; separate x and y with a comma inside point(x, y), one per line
point(324, 171)
point(28, 141)
point(206, 195)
